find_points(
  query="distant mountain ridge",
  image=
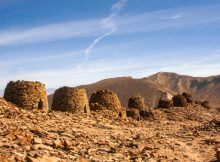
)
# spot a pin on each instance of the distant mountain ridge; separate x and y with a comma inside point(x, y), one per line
point(206, 88)
point(152, 87)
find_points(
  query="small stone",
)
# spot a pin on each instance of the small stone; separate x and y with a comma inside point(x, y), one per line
point(218, 154)
point(19, 158)
point(57, 143)
point(42, 159)
point(151, 160)
point(141, 146)
point(11, 136)
point(80, 159)
point(42, 147)
point(37, 140)
point(67, 144)
point(23, 141)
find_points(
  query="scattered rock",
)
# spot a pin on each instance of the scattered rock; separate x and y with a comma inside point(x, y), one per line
point(42, 159)
point(37, 141)
point(218, 154)
point(67, 144)
point(42, 147)
point(57, 143)
point(173, 135)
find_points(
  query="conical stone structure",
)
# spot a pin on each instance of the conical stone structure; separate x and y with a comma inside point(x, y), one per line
point(71, 99)
point(105, 99)
point(27, 94)
point(137, 102)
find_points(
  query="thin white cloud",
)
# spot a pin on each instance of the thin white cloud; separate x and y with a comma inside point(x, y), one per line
point(161, 20)
point(174, 17)
point(108, 23)
point(51, 32)
point(103, 67)
point(135, 23)
point(97, 40)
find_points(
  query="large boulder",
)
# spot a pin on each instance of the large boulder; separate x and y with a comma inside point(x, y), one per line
point(105, 99)
point(71, 99)
point(27, 94)
point(137, 102)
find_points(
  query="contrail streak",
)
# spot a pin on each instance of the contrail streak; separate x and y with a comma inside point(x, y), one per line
point(108, 23)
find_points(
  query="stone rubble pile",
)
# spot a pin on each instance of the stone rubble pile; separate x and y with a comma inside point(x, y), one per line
point(33, 136)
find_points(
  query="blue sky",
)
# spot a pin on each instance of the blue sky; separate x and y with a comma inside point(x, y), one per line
point(74, 42)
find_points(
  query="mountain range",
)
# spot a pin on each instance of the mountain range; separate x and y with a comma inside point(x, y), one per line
point(152, 87)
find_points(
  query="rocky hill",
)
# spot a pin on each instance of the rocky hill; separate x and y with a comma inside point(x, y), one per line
point(206, 88)
point(152, 87)
point(167, 135)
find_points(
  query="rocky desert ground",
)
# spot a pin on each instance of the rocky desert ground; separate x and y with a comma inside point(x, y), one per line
point(182, 134)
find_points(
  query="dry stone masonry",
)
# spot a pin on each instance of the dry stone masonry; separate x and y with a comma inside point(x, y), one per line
point(188, 97)
point(105, 99)
point(165, 103)
point(203, 103)
point(71, 99)
point(137, 102)
point(165, 100)
point(27, 94)
point(133, 113)
point(179, 101)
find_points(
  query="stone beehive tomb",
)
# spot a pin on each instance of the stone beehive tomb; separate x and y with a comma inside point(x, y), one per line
point(105, 99)
point(71, 99)
point(179, 101)
point(137, 102)
point(165, 103)
point(27, 94)
point(133, 113)
point(165, 100)
point(188, 97)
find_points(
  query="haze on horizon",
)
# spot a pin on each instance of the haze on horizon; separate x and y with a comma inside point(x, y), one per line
point(78, 42)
